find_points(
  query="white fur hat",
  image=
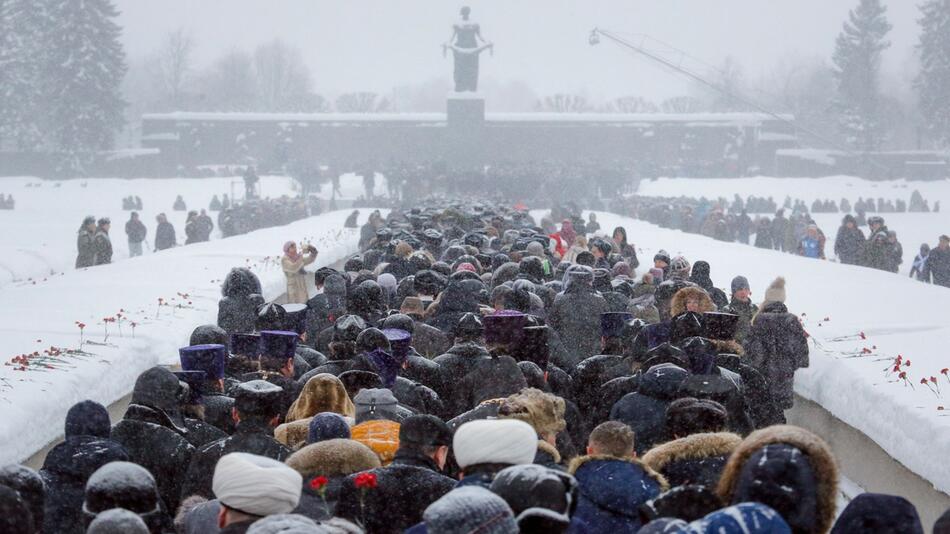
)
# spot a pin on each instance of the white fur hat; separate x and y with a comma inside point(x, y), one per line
point(495, 441)
point(256, 485)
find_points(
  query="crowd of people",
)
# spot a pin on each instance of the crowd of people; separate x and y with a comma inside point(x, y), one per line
point(464, 375)
point(7, 202)
point(796, 233)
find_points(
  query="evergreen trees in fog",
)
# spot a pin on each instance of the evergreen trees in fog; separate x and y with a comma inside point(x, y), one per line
point(857, 59)
point(933, 82)
point(66, 64)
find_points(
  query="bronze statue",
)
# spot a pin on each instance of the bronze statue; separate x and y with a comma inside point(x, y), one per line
point(466, 44)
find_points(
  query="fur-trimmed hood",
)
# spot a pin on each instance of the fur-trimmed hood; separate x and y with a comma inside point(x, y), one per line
point(322, 393)
point(333, 457)
point(616, 486)
point(819, 455)
point(580, 461)
point(678, 303)
point(692, 447)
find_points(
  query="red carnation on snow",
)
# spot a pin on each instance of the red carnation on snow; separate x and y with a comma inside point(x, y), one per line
point(862, 335)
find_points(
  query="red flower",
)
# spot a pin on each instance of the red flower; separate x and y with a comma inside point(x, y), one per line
point(365, 480)
point(907, 363)
point(903, 375)
point(945, 370)
point(862, 335)
point(923, 381)
point(318, 483)
point(896, 369)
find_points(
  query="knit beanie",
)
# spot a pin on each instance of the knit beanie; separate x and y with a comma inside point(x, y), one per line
point(739, 282)
point(776, 291)
point(327, 425)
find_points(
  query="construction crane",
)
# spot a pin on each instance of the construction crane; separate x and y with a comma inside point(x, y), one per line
point(597, 33)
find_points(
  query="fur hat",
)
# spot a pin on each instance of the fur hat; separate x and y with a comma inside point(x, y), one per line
point(776, 291)
point(543, 411)
point(256, 485)
point(494, 441)
point(333, 457)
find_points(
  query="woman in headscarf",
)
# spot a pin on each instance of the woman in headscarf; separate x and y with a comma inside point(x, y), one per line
point(293, 263)
point(322, 393)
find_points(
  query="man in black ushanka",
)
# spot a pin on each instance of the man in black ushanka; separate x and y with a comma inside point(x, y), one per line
point(257, 408)
point(211, 360)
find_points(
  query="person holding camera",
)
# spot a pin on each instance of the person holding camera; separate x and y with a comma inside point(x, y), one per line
point(293, 263)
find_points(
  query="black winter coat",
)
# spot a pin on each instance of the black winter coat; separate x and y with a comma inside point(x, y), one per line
point(404, 490)
point(164, 236)
point(576, 319)
point(645, 410)
point(938, 263)
point(154, 444)
point(103, 247)
point(239, 314)
point(776, 347)
point(756, 392)
point(849, 244)
point(136, 231)
point(248, 437)
point(86, 251)
point(458, 361)
point(65, 471)
point(493, 378)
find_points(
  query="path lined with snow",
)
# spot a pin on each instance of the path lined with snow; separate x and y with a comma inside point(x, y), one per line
point(37, 317)
point(898, 316)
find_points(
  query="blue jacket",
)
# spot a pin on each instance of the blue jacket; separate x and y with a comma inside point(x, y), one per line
point(611, 491)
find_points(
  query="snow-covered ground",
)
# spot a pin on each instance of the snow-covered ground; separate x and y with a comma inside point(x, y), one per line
point(912, 229)
point(39, 236)
point(839, 303)
point(43, 317)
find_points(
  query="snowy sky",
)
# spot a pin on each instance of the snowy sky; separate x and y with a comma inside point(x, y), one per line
point(378, 44)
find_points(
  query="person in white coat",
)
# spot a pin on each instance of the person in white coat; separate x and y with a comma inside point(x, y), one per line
point(293, 263)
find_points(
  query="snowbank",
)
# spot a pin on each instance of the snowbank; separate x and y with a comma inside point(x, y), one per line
point(39, 238)
point(38, 317)
point(897, 316)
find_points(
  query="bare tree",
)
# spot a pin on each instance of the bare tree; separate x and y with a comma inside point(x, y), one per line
point(564, 103)
point(682, 104)
point(283, 80)
point(175, 62)
point(362, 102)
point(630, 104)
point(230, 85)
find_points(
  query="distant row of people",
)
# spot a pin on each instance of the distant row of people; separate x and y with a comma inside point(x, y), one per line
point(753, 204)
point(7, 202)
point(130, 203)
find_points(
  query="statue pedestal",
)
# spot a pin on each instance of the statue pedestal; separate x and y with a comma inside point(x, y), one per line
point(465, 110)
